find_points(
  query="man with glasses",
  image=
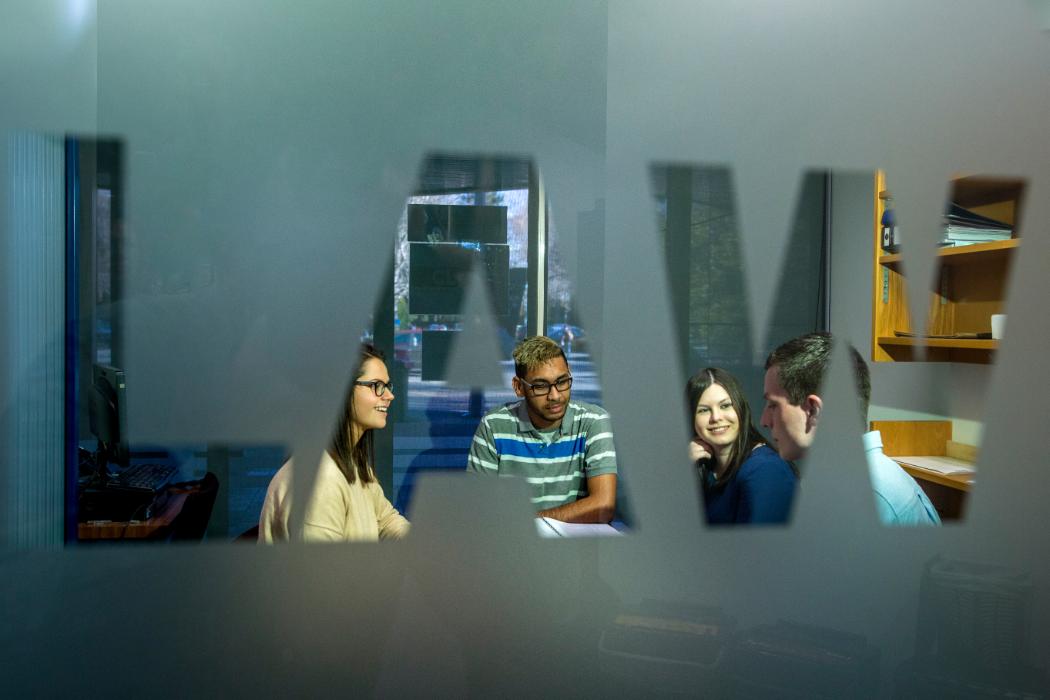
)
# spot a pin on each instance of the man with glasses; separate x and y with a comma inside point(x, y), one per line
point(562, 448)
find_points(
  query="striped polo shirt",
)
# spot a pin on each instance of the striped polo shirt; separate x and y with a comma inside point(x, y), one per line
point(556, 468)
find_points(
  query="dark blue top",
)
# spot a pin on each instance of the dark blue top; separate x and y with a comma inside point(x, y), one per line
point(761, 491)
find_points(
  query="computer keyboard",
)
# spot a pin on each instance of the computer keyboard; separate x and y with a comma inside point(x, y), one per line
point(147, 478)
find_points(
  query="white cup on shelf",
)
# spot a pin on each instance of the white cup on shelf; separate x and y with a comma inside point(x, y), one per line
point(998, 326)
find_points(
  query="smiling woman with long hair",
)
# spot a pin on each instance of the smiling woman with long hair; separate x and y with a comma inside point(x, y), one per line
point(742, 479)
point(347, 502)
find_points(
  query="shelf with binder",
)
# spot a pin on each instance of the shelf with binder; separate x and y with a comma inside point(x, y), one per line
point(969, 287)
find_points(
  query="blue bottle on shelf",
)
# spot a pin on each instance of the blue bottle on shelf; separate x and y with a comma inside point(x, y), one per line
point(890, 240)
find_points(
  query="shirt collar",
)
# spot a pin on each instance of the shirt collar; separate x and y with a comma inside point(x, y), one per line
point(521, 412)
point(872, 440)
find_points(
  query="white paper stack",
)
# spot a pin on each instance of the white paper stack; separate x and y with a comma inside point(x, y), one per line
point(941, 465)
point(549, 527)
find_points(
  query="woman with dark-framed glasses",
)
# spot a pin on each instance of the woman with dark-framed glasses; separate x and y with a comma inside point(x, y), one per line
point(347, 502)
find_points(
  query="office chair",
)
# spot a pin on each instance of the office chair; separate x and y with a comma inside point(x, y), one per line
point(192, 522)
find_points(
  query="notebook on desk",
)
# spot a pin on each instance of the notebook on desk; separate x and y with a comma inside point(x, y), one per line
point(941, 465)
point(549, 527)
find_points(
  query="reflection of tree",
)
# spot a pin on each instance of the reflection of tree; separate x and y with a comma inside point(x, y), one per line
point(717, 304)
point(103, 248)
point(559, 287)
point(718, 307)
point(718, 325)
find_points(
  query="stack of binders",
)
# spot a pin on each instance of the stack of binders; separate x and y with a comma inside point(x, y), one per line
point(964, 227)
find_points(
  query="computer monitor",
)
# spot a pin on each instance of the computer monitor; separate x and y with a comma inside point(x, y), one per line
point(108, 415)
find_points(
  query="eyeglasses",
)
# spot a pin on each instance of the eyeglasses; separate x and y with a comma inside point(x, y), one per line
point(544, 388)
point(378, 386)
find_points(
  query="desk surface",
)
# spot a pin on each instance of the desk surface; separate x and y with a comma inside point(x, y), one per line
point(933, 438)
point(960, 482)
point(947, 492)
point(156, 526)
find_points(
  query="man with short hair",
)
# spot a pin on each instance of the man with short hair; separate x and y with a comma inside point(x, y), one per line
point(794, 372)
point(564, 449)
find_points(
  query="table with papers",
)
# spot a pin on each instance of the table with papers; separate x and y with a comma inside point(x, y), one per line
point(549, 527)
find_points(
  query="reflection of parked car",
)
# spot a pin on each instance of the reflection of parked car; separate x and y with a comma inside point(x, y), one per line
point(571, 338)
point(408, 347)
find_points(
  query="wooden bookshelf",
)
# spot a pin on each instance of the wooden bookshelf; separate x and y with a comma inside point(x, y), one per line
point(970, 254)
point(970, 285)
point(962, 343)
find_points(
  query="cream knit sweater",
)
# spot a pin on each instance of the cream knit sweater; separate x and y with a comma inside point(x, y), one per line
point(335, 511)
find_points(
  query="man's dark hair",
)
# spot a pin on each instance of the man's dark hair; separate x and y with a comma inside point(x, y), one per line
point(802, 362)
point(533, 352)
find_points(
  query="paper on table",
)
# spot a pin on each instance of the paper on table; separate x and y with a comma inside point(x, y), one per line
point(941, 465)
point(549, 527)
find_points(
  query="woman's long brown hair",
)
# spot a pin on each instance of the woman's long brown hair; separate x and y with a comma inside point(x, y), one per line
point(349, 457)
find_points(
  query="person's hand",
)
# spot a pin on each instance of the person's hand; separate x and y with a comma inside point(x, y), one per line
point(698, 449)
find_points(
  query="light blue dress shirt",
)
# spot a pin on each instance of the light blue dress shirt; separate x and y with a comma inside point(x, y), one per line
point(898, 497)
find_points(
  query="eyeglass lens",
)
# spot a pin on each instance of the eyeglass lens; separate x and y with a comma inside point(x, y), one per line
point(378, 387)
point(543, 388)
